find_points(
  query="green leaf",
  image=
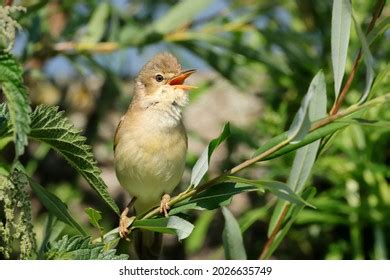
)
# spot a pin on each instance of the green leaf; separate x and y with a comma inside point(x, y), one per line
point(305, 156)
point(11, 82)
point(212, 198)
point(198, 236)
point(368, 60)
point(54, 205)
point(232, 238)
point(301, 122)
point(53, 128)
point(81, 248)
point(97, 24)
point(170, 225)
point(294, 212)
point(180, 14)
point(202, 165)
point(94, 217)
point(378, 29)
point(309, 138)
point(281, 190)
point(341, 27)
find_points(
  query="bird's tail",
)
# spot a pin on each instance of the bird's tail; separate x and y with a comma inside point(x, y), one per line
point(147, 244)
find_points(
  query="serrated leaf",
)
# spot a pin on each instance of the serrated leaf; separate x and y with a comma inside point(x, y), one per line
point(232, 238)
point(11, 82)
point(94, 217)
point(81, 248)
point(301, 122)
point(341, 27)
point(368, 60)
point(180, 14)
point(202, 165)
point(54, 205)
point(53, 128)
point(170, 225)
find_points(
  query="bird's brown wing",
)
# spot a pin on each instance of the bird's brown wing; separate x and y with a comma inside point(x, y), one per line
point(116, 138)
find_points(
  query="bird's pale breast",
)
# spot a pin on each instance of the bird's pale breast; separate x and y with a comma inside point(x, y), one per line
point(149, 159)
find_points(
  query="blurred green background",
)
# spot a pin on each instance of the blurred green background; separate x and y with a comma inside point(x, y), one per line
point(255, 60)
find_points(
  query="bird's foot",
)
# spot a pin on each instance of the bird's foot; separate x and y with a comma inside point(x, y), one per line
point(124, 221)
point(164, 206)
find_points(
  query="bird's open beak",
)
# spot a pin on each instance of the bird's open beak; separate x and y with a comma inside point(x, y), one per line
point(178, 80)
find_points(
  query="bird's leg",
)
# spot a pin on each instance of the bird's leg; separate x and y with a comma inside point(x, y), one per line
point(124, 220)
point(164, 207)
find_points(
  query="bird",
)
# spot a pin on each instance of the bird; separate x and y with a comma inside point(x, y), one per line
point(150, 145)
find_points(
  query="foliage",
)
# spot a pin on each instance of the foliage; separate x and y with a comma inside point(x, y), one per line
point(81, 248)
point(337, 179)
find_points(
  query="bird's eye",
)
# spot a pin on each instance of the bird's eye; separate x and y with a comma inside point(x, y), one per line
point(159, 78)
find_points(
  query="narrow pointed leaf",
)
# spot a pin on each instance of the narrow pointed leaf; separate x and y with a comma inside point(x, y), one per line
point(55, 206)
point(368, 60)
point(301, 122)
point(305, 156)
point(202, 165)
point(232, 238)
point(341, 27)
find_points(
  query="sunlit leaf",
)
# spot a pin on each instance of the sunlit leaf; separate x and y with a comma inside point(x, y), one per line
point(341, 27)
point(301, 122)
point(97, 25)
point(202, 165)
point(170, 225)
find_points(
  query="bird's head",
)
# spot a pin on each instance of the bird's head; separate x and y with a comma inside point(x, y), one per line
point(159, 84)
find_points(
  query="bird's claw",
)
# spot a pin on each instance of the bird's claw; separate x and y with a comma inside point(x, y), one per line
point(164, 206)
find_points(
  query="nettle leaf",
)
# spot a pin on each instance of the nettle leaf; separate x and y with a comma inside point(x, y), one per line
point(202, 165)
point(55, 206)
point(94, 217)
point(81, 248)
point(301, 122)
point(50, 126)
point(232, 239)
point(341, 27)
point(368, 60)
point(11, 82)
point(180, 14)
point(170, 225)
